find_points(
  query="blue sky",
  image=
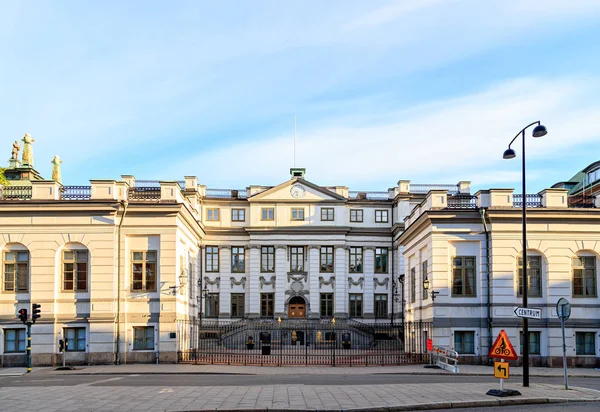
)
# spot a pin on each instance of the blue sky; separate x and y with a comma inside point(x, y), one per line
point(426, 90)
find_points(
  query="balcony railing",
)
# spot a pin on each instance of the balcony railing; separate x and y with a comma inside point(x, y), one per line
point(76, 193)
point(146, 193)
point(582, 201)
point(462, 202)
point(226, 194)
point(17, 192)
point(530, 200)
point(155, 183)
point(425, 188)
point(368, 195)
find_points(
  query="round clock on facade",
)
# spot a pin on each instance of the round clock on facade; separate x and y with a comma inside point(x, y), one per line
point(297, 191)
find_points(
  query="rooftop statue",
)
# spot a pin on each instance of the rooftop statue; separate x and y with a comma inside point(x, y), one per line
point(27, 150)
point(15, 150)
point(56, 174)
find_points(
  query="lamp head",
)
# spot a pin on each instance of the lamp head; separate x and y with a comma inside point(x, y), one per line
point(426, 284)
point(509, 154)
point(539, 131)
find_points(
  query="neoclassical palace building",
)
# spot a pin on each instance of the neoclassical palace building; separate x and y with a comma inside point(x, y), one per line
point(117, 265)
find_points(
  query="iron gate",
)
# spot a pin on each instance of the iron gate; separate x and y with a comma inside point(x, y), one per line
point(302, 342)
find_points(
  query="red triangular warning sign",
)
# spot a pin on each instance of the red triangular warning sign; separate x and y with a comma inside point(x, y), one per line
point(502, 348)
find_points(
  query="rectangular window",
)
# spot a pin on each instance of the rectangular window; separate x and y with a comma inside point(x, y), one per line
point(356, 215)
point(238, 215)
point(212, 215)
point(297, 213)
point(76, 339)
point(212, 305)
point(326, 259)
point(296, 258)
point(464, 342)
point(212, 258)
point(238, 262)
point(356, 305)
point(237, 305)
point(424, 274)
point(267, 305)
point(463, 276)
point(267, 259)
point(75, 270)
point(585, 343)
point(584, 276)
point(413, 285)
point(381, 216)
point(381, 260)
point(327, 214)
point(16, 271)
point(143, 338)
point(534, 342)
point(267, 213)
point(356, 259)
point(143, 271)
point(15, 340)
point(534, 275)
point(326, 305)
point(381, 306)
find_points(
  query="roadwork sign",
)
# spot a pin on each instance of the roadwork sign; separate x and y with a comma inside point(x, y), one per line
point(501, 370)
point(528, 313)
point(502, 348)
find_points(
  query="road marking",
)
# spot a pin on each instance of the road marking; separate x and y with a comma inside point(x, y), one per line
point(166, 390)
point(134, 376)
point(100, 381)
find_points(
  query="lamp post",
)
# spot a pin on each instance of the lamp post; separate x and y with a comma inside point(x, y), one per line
point(538, 131)
point(395, 298)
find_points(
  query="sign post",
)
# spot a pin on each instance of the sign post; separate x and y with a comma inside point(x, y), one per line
point(563, 311)
point(529, 313)
point(503, 349)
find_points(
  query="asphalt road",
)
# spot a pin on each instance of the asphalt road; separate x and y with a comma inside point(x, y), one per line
point(556, 407)
point(69, 379)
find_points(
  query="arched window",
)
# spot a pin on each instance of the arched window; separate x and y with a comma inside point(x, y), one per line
point(534, 275)
point(75, 268)
point(584, 276)
point(16, 268)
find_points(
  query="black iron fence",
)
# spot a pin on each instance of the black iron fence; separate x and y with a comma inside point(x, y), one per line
point(302, 342)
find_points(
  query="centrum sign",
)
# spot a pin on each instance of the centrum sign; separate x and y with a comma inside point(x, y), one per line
point(528, 313)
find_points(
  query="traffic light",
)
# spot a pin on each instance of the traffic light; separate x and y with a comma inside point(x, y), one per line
point(23, 315)
point(35, 313)
point(61, 346)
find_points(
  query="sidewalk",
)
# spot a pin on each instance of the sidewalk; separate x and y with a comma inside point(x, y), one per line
point(466, 370)
point(365, 398)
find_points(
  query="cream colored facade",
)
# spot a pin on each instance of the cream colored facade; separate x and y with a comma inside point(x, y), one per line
point(468, 319)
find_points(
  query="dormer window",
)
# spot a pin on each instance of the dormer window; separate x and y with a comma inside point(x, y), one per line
point(593, 176)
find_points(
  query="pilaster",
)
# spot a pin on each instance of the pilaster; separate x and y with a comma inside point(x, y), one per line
point(341, 281)
point(253, 288)
point(281, 269)
point(368, 271)
point(313, 280)
point(225, 284)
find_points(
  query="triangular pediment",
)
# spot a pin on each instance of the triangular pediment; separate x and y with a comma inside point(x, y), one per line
point(297, 190)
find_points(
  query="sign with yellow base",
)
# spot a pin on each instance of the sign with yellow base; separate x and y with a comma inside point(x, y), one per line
point(501, 370)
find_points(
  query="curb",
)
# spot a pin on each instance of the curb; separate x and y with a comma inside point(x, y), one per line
point(484, 374)
point(414, 407)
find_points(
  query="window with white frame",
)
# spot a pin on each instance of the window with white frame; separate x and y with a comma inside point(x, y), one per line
point(267, 213)
point(75, 270)
point(534, 342)
point(238, 262)
point(356, 259)
point(15, 340)
point(356, 215)
point(327, 214)
point(212, 258)
point(381, 216)
point(585, 343)
point(297, 213)
point(296, 258)
point(534, 276)
point(143, 271)
point(143, 338)
point(464, 342)
point(75, 338)
point(16, 271)
point(267, 259)
point(584, 277)
point(213, 214)
point(238, 215)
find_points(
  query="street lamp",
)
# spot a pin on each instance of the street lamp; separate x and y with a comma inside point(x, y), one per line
point(426, 285)
point(395, 298)
point(509, 153)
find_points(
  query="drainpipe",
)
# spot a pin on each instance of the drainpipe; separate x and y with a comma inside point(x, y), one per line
point(482, 211)
point(118, 314)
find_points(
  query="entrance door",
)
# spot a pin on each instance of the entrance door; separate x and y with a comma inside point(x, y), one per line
point(297, 307)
